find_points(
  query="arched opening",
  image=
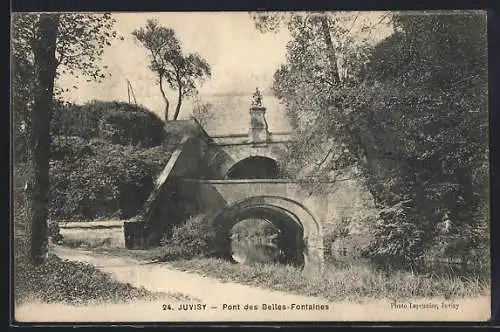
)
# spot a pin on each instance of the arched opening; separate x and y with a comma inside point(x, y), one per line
point(278, 235)
point(256, 167)
point(300, 235)
point(255, 240)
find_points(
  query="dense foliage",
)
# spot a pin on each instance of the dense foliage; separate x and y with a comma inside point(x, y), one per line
point(411, 122)
point(109, 181)
point(80, 43)
point(196, 238)
point(118, 122)
point(104, 159)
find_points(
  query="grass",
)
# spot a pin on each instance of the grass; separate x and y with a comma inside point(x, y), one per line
point(353, 282)
point(93, 238)
point(74, 283)
point(58, 281)
point(356, 281)
point(144, 255)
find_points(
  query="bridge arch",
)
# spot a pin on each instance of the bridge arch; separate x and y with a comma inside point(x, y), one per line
point(221, 158)
point(301, 240)
point(254, 167)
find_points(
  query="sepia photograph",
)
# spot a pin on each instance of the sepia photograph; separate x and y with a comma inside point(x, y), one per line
point(250, 167)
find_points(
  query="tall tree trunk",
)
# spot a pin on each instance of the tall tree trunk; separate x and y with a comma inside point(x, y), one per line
point(179, 101)
point(332, 56)
point(167, 103)
point(37, 186)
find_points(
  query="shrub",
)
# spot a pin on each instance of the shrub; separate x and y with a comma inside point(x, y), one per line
point(463, 244)
point(136, 128)
point(119, 122)
point(69, 148)
point(336, 232)
point(196, 238)
point(350, 236)
point(111, 181)
point(397, 237)
point(100, 167)
point(71, 120)
point(104, 159)
point(156, 157)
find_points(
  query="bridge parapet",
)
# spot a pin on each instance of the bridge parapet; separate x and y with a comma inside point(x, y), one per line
point(242, 139)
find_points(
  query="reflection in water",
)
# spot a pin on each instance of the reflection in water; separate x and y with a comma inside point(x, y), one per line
point(255, 241)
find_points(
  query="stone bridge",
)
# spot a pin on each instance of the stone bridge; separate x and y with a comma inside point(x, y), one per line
point(225, 155)
point(294, 211)
point(237, 177)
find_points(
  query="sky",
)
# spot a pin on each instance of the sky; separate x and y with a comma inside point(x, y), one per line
point(241, 59)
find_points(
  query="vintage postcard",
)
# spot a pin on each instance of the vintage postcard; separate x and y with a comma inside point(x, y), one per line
point(250, 167)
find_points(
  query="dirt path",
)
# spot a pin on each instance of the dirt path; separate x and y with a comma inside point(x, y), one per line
point(225, 301)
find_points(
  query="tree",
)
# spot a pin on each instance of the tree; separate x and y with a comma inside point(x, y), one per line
point(42, 44)
point(203, 112)
point(181, 72)
point(81, 39)
point(324, 54)
point(406, 120)
point(435, 83)
point(37, 188)
point(330, 35)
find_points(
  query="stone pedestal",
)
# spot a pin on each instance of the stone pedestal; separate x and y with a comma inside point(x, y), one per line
point(258, 133)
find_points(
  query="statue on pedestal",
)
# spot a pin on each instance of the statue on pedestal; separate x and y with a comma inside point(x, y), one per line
point(258, 125)
point(257, 98)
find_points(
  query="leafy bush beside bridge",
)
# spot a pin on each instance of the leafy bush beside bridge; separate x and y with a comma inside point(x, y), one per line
point(104, 159)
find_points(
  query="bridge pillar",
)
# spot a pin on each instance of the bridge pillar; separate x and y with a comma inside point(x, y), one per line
point(258, 125)
point(258, 133)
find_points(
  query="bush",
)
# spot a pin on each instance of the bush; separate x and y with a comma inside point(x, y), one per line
point(156, 157)
point(104, 159)
point(100, 167)
point(69, 148)
point(71, 120)
point(108, 181)
point(463, 244)
point(119, 122)
point(347, 237)
point(196, 238)
point(135, 128)
point(397, 238)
